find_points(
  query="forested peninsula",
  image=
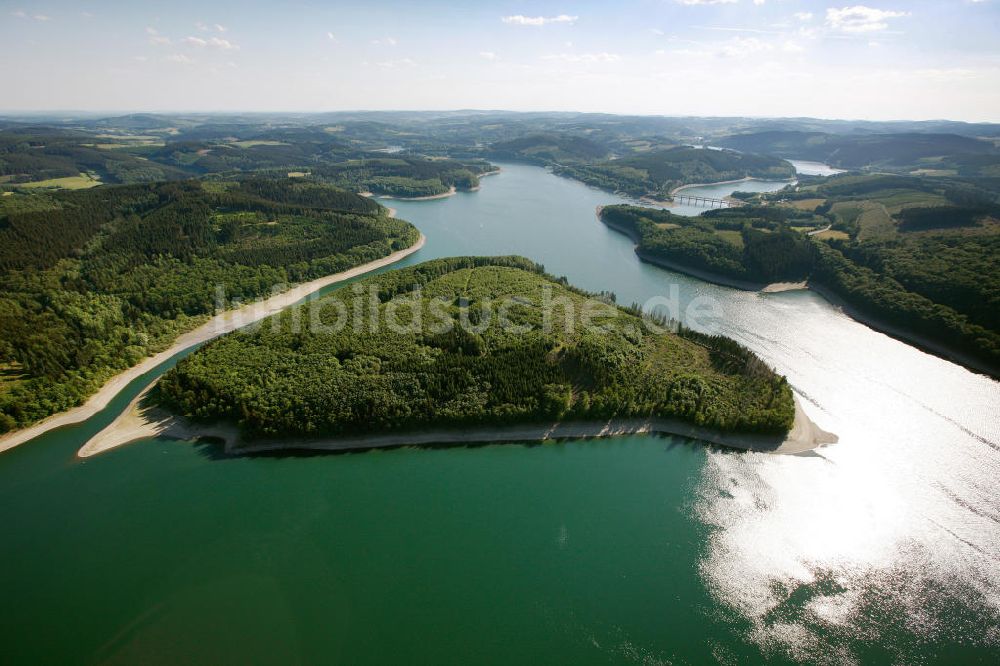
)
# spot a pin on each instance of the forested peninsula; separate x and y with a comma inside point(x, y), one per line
point(95, 280)
point(456, 366)
point(912, 256)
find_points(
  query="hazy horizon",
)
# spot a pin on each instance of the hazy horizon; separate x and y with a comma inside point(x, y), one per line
point(110, 113)
point(724, 58)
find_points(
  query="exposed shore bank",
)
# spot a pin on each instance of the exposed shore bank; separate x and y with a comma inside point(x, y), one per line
point(480, 176)
point(221, 323)
point(142, 421)
point(451, 192)
point(909, 337)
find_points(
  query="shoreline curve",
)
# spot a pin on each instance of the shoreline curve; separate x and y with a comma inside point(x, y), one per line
point(222, 323)
point(140, 421)
point(873, 322)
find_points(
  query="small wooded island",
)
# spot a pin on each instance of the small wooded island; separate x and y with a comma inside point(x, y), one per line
point(469, 349)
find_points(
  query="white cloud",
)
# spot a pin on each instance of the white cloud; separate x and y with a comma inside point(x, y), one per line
point(385, 41)
point(709, 2)
point(488, 55)
point(539, 20)
point(180, 58)
point(860, 18)
point(224, 44)
point(214, 42)
point(20, 13)
point(159, 40)
point(332, 37)
point(204, 27)
point(804, 16)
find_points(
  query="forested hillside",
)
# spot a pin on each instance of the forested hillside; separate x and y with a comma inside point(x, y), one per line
point(918, 254)
point(449, 364)
point(942, 154)
point(549, 148)
point(40, 157)
point(752, 244)
point(657, 173)
point(94, 280)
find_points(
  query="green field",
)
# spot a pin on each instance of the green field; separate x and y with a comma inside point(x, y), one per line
point(81, 182)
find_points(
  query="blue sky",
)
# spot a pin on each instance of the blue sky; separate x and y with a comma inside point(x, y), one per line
point(878, 59)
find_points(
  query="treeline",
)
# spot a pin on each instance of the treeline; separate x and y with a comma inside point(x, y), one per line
point(277, 380)
point(115, 273)
point(881, 296)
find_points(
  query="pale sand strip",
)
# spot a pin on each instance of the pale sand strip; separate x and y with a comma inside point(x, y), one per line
point(777, 287)
point(214, 327)
point(143, 421)
point(451, 191)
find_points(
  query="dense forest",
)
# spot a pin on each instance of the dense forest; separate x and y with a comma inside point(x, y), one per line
point(92, 281)
point(461, 366)
point(404, 176)
point(750, 244)
point(657, 173)
point(549, 148)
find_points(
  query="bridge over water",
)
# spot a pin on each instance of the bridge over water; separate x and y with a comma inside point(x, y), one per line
point(708, 202)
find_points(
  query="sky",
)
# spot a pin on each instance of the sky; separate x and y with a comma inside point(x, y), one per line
point(881, 60)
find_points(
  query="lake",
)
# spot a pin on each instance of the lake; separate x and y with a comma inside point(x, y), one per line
point(807, 168)
point(641, 549)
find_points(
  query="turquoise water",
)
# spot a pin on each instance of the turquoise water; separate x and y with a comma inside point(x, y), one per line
point(630, 550)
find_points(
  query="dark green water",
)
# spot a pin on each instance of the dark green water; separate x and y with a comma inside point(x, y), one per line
point(882, 548)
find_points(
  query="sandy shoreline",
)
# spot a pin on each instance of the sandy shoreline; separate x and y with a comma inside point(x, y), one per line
point(451, 192)
point(908, 337)
point(140, 421)
point(480, 176)
point(219, 324)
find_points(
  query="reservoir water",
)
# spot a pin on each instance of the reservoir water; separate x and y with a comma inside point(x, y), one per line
point(882, 548)
point(807, 168)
